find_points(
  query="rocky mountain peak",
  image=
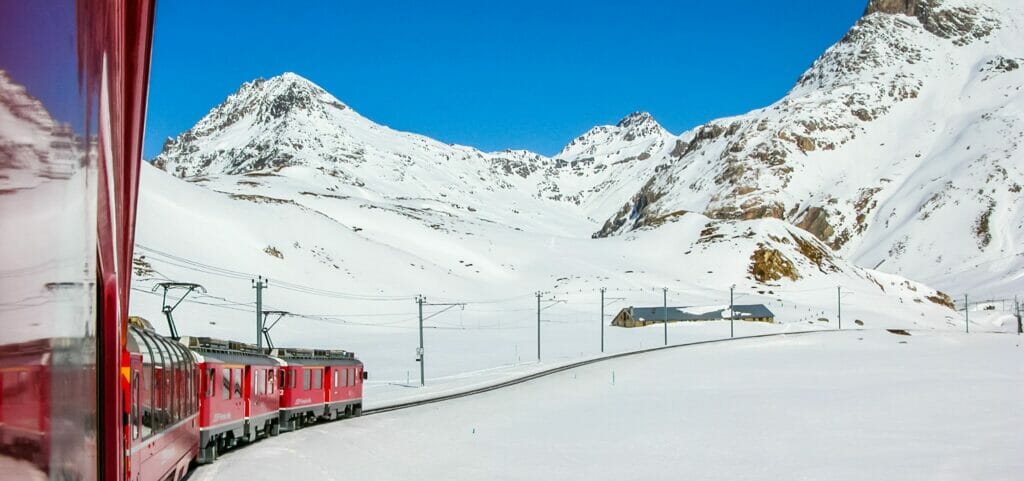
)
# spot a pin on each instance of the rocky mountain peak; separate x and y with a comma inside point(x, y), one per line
point(288, 92)
point(637, 119)
point(896, 7)
point(639, 124)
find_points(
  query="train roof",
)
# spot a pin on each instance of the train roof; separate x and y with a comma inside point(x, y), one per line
point(228, 352)
point(318, 357)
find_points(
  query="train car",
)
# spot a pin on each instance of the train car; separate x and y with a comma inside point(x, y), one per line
point(238, 399)
point(163, 427)
point(343, 388)
point(312, 385)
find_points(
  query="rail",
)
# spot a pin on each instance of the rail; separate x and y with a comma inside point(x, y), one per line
point(574, 365)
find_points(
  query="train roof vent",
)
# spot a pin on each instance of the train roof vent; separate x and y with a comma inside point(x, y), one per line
point(302, 353)
point(207, 342)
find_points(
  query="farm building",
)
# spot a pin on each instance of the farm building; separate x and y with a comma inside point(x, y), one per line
point(645, 316)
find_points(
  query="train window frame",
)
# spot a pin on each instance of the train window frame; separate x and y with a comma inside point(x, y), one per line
point(149, 371)
point(211, 382)
point(307, 377)
point(225, 376)
point(134, 420)
point(318, 378)
point(335, 371)
point(173, 384)
point(344, 377)
point(237, 382)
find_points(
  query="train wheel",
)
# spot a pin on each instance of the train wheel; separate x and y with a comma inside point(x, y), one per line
point(275, 428)
point(209, 453)
point(357, 410)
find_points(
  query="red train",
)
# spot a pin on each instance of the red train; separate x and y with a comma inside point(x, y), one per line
point(86, 393)
point(193, 399)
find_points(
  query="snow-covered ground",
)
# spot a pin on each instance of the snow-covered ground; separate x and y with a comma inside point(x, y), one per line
point(837, 406)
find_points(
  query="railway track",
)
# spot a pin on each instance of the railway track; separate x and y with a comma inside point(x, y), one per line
point(566, 367)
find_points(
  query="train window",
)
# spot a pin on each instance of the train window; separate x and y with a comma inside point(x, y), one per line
point(305, 379)
point(318, 379)
point(225, 391)
point(336, 378)
point(133, 420)
point(210, 381)
point(344, 377)
point(146, 400)
point(238, 382)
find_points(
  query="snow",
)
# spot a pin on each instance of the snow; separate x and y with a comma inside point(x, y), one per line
point(367, 280)
point(839, 406)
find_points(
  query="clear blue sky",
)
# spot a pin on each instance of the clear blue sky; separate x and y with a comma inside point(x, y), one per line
point(529, 74)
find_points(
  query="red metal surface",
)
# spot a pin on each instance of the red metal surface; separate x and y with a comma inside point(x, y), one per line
point(260, 392)
point(214, 410)
point(347, 386)
point(73, 75)
point(295, 394)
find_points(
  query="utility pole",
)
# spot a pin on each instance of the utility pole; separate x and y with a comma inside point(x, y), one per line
point(602, 320)
point(1020, 326)
point(967, 314)
point(839, 306)
point(732, 315)
point(538, 326)
point(419, 352)
point(422, 301)
point(664, 314)
point(259, 285)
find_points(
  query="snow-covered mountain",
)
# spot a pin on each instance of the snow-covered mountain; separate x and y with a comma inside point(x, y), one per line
point(900, 148)
point(288, 121)
point(897, 149)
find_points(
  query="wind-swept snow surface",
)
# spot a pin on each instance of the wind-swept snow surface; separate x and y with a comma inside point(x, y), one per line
point(836, 406)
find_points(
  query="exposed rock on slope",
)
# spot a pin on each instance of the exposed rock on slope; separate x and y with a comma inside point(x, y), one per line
point(899, 146)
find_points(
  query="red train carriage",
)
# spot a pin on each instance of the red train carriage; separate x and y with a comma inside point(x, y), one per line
point(163, 430)
point(313, 385)
point(238, 399)
point(344, 386)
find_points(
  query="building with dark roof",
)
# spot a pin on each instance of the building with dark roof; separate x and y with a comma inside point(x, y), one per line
point(645, 316)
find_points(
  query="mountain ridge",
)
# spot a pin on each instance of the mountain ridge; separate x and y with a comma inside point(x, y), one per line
point(843, 155)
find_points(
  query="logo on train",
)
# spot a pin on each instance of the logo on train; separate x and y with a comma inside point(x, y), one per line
point(221, 416)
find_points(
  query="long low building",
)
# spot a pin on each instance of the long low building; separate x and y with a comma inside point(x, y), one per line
point(645, 316)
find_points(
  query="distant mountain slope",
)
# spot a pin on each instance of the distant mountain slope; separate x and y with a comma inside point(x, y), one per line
point(900, 147)
point(287, 121)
